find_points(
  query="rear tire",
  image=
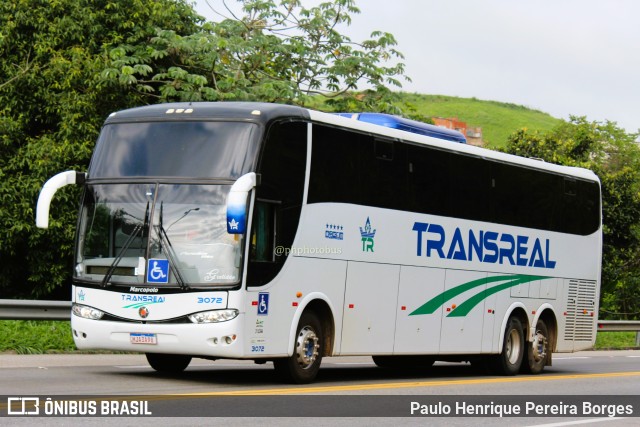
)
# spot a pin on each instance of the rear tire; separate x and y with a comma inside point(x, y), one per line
point(510, 360)
point(168, 363)
point(538, 351)
point(303, 366)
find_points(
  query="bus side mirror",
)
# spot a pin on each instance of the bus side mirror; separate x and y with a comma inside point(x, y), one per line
point(237, 203)
point(49, 189)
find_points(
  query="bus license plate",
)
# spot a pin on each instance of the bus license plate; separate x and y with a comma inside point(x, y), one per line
point(143, 338)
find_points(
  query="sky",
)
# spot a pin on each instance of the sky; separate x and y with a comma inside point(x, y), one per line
point(562, 57)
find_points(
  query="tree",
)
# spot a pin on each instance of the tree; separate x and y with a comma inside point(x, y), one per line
point(276, 52)
point(52, 105)
point(67, 64)
point(615, 157)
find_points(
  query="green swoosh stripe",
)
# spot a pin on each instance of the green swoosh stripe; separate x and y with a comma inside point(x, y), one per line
point(464, 308)
point(433, 304)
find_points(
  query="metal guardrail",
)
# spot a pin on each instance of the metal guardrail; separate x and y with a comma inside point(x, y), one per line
point(11, 309)
point(618, 325)
point(14, 309)
point(621, 326)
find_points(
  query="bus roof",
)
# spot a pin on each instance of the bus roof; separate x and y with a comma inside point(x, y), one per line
point(407, 125)
point(258, 112)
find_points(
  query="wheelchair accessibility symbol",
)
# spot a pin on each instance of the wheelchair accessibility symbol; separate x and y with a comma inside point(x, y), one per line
point(158, 271)
point(263, 304)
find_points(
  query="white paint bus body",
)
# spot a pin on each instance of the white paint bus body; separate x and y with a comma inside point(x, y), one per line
point(381, 281)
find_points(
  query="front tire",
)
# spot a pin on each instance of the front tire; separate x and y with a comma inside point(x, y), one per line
point(303, 366)
point(538, 350)
point(168, 363)
point(510, 360)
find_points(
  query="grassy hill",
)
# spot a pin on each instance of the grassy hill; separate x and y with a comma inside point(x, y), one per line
point(497, 119)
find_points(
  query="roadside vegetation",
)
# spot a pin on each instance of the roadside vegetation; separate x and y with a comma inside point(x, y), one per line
point(35, 337)
point(498, 120)
point(615, 340)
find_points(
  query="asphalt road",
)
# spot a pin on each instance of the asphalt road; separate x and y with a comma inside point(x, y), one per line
point(232, 391)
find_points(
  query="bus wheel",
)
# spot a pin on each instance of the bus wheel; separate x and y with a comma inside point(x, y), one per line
point(302, 367)
point(510, 360)
point(169, 363)
point(403, 362)
point(538, 350)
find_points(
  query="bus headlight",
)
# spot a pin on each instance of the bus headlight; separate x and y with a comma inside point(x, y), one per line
point(213, 316)
point(87, 312)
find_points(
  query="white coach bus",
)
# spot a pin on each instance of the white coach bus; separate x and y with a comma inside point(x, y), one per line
point(275, 233)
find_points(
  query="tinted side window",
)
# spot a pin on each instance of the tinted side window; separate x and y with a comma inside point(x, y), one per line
point(545, 201)
point(448, 184)
point(335, 166)
point(276, 215)
point(428, 181)
point(383, 167)
point(581, 207)
point(352, 167)
point(469, 188)
point(526, 197)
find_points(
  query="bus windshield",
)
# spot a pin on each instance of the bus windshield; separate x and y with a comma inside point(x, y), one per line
point(154, 208)
point(175, 149)
point(158, 234)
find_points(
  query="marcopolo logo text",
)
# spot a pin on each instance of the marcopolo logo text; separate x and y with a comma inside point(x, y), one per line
point(483, 245)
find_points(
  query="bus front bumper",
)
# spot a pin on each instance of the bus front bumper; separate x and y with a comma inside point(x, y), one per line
point(223, 339)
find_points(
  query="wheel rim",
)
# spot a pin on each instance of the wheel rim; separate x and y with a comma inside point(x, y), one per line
point(539, 346)
point(513, 347)
point(307, 347)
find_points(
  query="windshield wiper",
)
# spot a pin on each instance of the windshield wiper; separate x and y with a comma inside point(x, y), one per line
point(136, 230)
point(171, 256)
